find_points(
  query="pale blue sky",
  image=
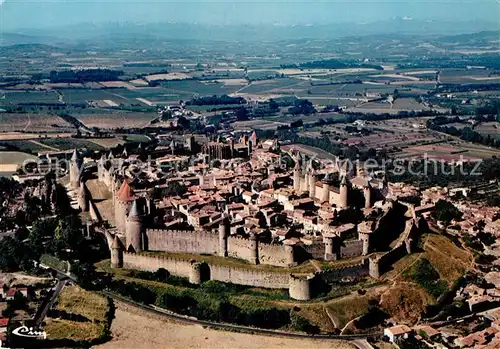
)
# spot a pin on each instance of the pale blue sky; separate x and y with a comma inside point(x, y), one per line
point(15, 14)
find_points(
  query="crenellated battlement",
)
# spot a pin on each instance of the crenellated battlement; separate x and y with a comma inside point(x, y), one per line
point(158, 257)
point(237, 237)
point(351, 242)
point(203, 271)
point(348, 266)
point(166, 231)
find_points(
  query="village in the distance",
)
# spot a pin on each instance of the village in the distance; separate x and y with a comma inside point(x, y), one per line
point(321, 192)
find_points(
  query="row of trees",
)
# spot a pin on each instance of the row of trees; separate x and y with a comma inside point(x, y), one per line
point(88, 75)
point(217, 100)
point(204, 304)
point(61, 237)
point(332, 64)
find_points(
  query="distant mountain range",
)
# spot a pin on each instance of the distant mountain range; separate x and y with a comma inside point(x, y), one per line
point(80, 33)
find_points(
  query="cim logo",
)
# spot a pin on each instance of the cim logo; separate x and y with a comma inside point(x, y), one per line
point(29, 332)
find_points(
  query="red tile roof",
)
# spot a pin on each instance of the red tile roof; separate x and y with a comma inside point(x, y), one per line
point(125, 193)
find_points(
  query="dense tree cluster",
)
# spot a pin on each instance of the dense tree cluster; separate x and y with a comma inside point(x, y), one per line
point(427, 172)
point(60, 235)
point(88, 75)
point(332, 64)
point(211, 302)
point(488, 112)
point(452, 61)
point(423, 273)
point(302, 107)
point(445, 211)
point(217, 100)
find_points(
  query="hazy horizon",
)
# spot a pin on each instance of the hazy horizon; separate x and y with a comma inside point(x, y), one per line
point(41, 14)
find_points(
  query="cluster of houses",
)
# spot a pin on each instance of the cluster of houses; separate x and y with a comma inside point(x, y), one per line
point(8, 294)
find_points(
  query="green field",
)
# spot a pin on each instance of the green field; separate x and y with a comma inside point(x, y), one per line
point(24, 146)
point(28, 97)
point(280, 84)
point(81, 96)
point(71, 143)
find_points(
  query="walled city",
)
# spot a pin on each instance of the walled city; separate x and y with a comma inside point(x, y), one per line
point(258, 211)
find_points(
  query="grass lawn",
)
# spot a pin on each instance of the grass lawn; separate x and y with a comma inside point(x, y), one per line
point(71, 143)
point(77, 331)
point(76, 300)
point(348, 309)
point(406, 300)
point(450, 261)
point(92, 307)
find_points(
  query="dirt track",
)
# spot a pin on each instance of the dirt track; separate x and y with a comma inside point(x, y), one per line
point(134, 328)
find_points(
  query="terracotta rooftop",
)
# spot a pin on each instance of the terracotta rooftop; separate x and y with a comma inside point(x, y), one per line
point(398, 330)
point(125, 193)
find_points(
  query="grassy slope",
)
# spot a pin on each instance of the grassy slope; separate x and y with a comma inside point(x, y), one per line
point(342, 308)
point(406, 300)
point(74, 300)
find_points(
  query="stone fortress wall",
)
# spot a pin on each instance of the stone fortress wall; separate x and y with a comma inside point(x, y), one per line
point(229, 274)
point(208, 243)
point(379, 264)
point(301, 287)
point(352, 248)
point(181, 241)
point(355, 270)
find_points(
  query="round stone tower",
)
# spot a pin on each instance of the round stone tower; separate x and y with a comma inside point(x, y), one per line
point(296, 177)
point(224, 232)
point(290, 252)
point(367, 192)
point(365, 229)
point(327, 182)
point(374, 267)
point(299, 287)
point(116, 253)
point(254, 248)
point(231, 147)
point(83, 198)
point(134, 227)
point(312, 182)
point(330, 251)
point(101, 167)
point(344, 193)
point(123, 200)
point(75, 168)
point(195, 273)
